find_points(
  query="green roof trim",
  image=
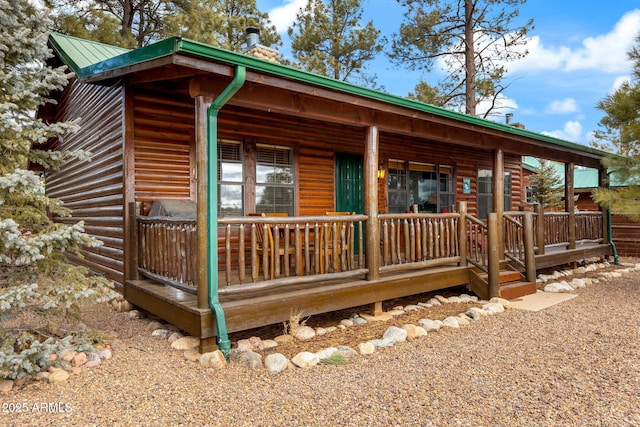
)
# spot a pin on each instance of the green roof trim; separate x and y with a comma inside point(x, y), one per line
point(84, 66)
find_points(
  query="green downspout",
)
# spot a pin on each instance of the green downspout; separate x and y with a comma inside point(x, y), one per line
point(616, 258)
point(212, 209)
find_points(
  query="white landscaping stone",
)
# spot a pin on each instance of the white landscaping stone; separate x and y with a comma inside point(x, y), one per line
point(454, 299)
point(480, 312)
point(395, 334)
point(162, 333)
point(434, 301)
point(58, 376)
point(396, 312)
point(346, 322)
point(366, 348)
point(558, 287)
point(305, 359)
point(281, 339)
point(430, 325)
point(321, 331)
point(412, 331)
point(493, 308)
point(326, 353)
point(382, 343)
point(330, 329)
point(276, 362)
point(412, 307)
point(451, 322)
point(359, 321)
point(578, 283)
point(425, 304)
point(303, 333)
point(466, 298)
point(244, 345)
point(505, 302)
point(192, 354)
point(463, 320)
point(442, 299)
point(213, 359)
point(347, 351)
point(174, 337)
point(269, 344)
point(185, 343)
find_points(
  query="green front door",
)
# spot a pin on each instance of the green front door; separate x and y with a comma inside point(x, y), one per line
point(349, 183)
point(350, 186)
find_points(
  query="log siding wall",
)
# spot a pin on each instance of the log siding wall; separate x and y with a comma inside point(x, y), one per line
point(94, 190)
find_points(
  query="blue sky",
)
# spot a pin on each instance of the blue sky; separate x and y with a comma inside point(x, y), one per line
point(577, 55)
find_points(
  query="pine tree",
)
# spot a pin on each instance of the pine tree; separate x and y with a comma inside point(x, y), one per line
point(472, 38)
point(620, 133)
point(548, 185)
point(329, 39)
point(36, 279)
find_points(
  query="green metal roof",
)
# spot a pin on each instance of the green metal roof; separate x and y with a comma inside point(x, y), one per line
point(78, 54)
point(583, 178)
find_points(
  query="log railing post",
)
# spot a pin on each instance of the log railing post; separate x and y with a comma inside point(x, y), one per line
point(540, 231)
point(494, 254)
point(132, 254)
point(569, 203)
point(529, 251)
point(462, 233)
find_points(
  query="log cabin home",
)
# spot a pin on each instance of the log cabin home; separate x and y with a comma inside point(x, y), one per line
point(230, 190)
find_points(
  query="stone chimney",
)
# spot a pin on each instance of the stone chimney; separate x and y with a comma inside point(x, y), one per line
point(255, 49)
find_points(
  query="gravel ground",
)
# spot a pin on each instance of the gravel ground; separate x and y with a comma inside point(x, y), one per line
point(573, 364)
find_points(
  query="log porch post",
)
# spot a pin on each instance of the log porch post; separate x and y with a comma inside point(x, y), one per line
point(372, 233)
point(540, 230)
point(494, 255)
point(602, 183)
point(498, 197)
point(462, 233)
point(569, 204)
point(202, 105)
point(529, 251)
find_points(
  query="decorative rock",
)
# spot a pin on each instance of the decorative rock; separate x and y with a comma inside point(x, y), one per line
point(451, 322)
point(395, 334)
point(558, 287)
point(398, 307)
point(321, 331)
point(580, 270)
point(281, 339)
point(442, 299)
point(215, 359)
point(505, 302)
point(6, 386)
point(454, 299)
point(396, 312)
point(366, 348)
point(276, 362)
point(326, 353)
point(342, 327)
point(305, 360)
point(346, 351)
point(472, 314)
point(256, 343)
point(269, 344)
point(434, 301)
point(412, 307)
point(331, 329)
point(154, 324)
point(133, 314)
point(478, 311)
point(359, 321)
point(578, 283)
point(40, 376)
point(185, 343)
point(346, 322)
point(174, 337)
point(493, 308)
point(414, 332)
point(430, 325)
point(162, 333)
point(468, 298)
point(381, 343)
point(79, 359)
point(58, 376)
point(192, 354)
point(93, 360)
point(463, 320)
point(244, 345)
point(74, 370)
point(425, 304)
point(105, 354)
point(303, 333)
point(247, 359)
point(67, 354)
point(126, 306)
point(615, 274)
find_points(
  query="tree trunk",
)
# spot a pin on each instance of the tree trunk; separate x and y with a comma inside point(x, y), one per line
point(469, 59)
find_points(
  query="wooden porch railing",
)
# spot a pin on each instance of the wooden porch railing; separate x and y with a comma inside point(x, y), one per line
point(477, 243)
point(167, 251)
point(418, 240)
point(588, 227)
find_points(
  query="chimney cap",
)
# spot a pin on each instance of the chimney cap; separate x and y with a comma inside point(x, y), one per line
point(252, 30)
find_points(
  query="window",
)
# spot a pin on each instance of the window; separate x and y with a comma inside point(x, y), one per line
point(531, 194)
point(485, 192)
point(230, 179)
point(274, 179)
point(429, 186)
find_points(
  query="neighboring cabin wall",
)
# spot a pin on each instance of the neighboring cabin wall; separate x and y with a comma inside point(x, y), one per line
point(94, 190)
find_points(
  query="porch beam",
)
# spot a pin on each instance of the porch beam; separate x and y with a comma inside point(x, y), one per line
point(498, 197)
point(569, 205)
point(201, 107)
point(372, 242)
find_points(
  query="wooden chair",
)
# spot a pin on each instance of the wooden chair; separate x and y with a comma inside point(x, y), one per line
point(342, 244)
point(268, 240)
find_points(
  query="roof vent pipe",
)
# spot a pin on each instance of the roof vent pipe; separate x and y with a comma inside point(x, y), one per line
point(508, 117)
point(253, 37)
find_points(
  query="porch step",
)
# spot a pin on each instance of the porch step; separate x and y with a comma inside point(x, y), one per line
point(506, 276)
point(514, 290)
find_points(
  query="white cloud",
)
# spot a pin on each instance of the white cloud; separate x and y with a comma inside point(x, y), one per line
point(502, 105)
point(572, 131)
point(619, 81)
point(605, 52)
point(283, 16)
point(563, 106)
